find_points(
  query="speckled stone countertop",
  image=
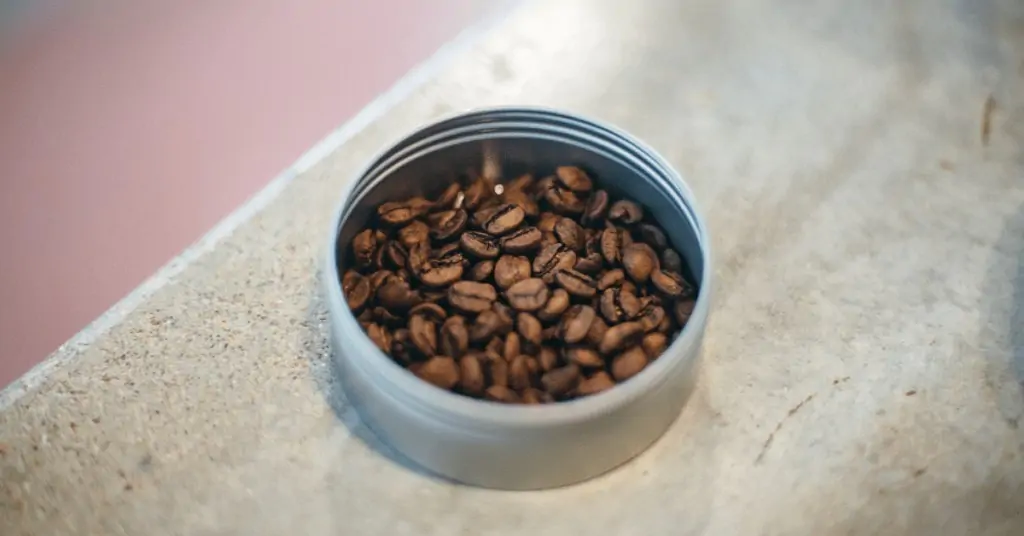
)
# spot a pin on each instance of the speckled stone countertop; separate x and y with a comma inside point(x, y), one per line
point(863, 364)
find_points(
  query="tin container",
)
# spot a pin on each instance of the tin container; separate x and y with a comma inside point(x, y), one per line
point(504, 446)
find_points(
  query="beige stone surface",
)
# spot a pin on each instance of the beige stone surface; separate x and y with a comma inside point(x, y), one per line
point(863, 364)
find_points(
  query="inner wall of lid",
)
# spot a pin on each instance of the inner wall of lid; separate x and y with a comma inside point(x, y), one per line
point(428, 173)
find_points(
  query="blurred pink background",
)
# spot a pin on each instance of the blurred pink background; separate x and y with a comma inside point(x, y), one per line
point(128, 129)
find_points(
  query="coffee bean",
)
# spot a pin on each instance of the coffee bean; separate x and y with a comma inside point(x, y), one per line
point(596, 332)
point(529, 328)
point(519, 373)
point(620, 336)
point(618, 306)
point(447, 198)
point(639, 261)
point(591, 264)
point(576, 283)
point(377, 279)
point(486, 326)
point(613, 240)
point(671, 261)
point(551, 259)
point(683, 309)
point(597, 383)
point(423, 333)
point(500, 393)
point(397, 296)
point(480, 245)
point(402, 212)
point(596, 208)
point(511, 269)
point(380, 336)
point(557, 303)
point(418, 256)
point(563, 200)
point(475, 194)
point(630, 287)
point(448, 224)
point(414, 233)
point(401, 346)
point(356, 290)
point(512, 347)
point(629, 363)
point(440, 371)
point(625, 212)
point(498, 371)
point(547, 358)
point(651, 316)
point(653, 236)
point(584, 356)
point(571, 234)
point(364, 246)
point(506, 315)
point(576, 323)
point(471, 375)
point(611, 278)
point(521, 240)
point(431, 311)
point(499, 220)
point(495, 347)
point(523, 201)
point(560, 381)
point(527, 295)
point(480, 271)
point(386, 317)
point(471, 297)
point(654, 344)
point(574, 179)
point(535, 396)
point(671, 284)
point(441, 272)
point(454, 337)
point(547, 222)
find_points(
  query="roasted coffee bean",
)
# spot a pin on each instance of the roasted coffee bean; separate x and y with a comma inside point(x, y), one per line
point(364, 246)
point(397, 296)
point(528, 295)
point(625, 212)
point(597, 383)
point(441, 272)
point(629, 363)
point(475, 194)
point(683, 309)
point(500, 393)
point(471, 297)
point(547, 358)
point(671, 261)
point(611, 278)
point(431, 311)
point(423, 333)
point(576, 323)
point(654, 344)
point(551, 259)
point(480, 245)
point(584, 356)
point(519, 373)
point(440, 371)
point(499, 220)
point(571, 234)
point(356, 289)
point(486, 326)
point(596, 208)
point(511, 269)
point(563, 200)
point(454, 337)
point(521, 240)
point(471, 376)
point(380, 336)
point(547, 222)
point(596, 332)
point(560, 381)
point(480, 271)
point(639, 261)
point(573, 178)
point(529, 328)
point(402, 212)
point(620, 336)
point(535, 396)
point(576, 283)
point(512, 347)
point(671, 284)
point(557, 303)
point(448, 224)
point(559, 277)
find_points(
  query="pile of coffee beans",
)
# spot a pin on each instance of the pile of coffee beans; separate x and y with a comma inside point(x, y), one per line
point(532, 291)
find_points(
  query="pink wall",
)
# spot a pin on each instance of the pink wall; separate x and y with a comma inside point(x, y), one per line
point(128, 130)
